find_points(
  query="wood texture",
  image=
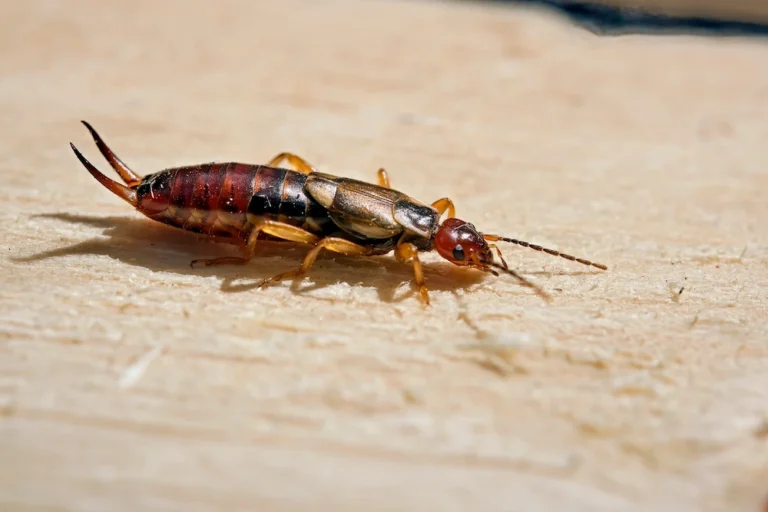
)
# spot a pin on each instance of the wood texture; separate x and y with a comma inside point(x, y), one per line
point(129, 381)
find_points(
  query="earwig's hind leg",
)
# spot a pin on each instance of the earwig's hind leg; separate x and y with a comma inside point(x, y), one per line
point(129, 177)
point(441, 205)
point(270, 227)
point(224, 260)
point(383, 178)
point(299, 163)
point(278, 229)
point(338, 245)
point(405, 252)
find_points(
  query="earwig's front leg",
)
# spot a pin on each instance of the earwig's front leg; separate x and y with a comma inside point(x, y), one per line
point(407, 251)
point(338, 245)
point(299, 163)
point(441, 205)
point(383, 178)
point(498, 253)
point(271, 227)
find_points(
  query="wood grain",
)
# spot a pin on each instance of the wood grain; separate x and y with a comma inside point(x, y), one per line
point(129, 381)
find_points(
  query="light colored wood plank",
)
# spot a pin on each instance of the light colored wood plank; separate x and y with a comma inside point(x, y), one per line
point(645, 154)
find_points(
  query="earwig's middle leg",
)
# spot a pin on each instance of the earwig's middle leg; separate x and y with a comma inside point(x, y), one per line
point(383, 178)
point(275, 228)
point(299, 163)
point(407, 251)
point(338, 245)
point(441, 205)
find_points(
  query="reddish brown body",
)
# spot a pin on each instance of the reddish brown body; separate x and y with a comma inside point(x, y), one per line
point(242, 203)
point(224, 199)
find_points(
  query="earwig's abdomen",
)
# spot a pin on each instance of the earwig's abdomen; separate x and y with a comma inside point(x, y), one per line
point(224, 199)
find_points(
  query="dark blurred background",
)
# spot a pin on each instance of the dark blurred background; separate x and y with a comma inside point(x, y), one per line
point(617, 17)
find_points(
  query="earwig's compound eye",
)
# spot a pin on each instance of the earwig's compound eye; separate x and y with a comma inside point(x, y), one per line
point(458, 253)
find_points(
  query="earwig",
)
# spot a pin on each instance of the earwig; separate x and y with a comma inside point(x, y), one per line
point(241, 203)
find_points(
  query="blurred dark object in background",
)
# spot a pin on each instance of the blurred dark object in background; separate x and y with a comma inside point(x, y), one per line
point(617, 17)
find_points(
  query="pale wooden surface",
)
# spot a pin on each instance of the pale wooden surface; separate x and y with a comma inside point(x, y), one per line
point(129, 381)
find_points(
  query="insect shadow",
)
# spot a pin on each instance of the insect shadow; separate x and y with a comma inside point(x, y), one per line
point(164, 249)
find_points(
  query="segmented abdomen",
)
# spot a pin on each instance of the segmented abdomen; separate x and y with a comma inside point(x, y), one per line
point(224, 199)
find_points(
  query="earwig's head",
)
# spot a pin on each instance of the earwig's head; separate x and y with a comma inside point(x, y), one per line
point(460, 243)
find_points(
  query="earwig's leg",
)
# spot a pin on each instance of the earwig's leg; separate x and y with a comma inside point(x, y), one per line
point(405, 252)
point(280, 230)
point(129, 177)
point(270, 227)
point(224, 260)
point(299, 163)
point(334, 244)
point(383, 178)
point(498, 252)
point(441, 205)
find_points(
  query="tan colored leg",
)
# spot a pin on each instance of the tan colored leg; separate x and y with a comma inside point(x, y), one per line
point(383, 178)
point(334, 244)
point(441, 205)
point(299, 163)
point(270, 227)
point(405, 252)
point(498, 252)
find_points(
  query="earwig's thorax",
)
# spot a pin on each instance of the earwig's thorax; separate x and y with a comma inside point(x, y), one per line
point(419, 219)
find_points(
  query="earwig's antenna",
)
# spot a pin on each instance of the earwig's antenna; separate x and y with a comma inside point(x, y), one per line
point(522, 280)
point(494, 238)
